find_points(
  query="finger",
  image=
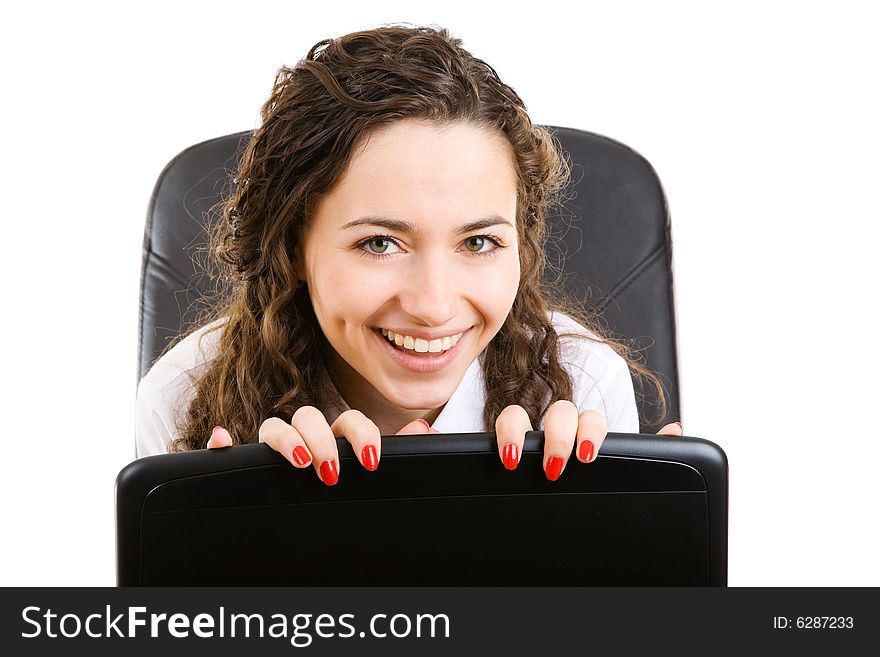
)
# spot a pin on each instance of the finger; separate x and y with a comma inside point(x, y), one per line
point(285, 440)
point(363, 435)
point(673, 429)
point(416, 427)
point(312, 426)
point(560, 430)
point(591, 432)
point(511, 426)
point(220, 437)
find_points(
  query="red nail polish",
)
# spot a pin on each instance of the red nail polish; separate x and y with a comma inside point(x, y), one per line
point(554, 468)
point(425, 422)
point(300, 455)
point(328, 472)
point(510, 456)
point(680, 426)
point(586, 451)
point(369, 458)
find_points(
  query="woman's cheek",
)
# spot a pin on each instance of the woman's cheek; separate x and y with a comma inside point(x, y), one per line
point(502, 285)
point(360, 290)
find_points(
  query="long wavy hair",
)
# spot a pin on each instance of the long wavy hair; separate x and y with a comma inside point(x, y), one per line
point(271, 355)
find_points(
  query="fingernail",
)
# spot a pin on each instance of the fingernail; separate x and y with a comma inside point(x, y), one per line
point(300, 455)
point(586, 451)
point(510, 456)
point(425, 422)
point(369, 458)
point(680, 426)
point(328, 472)
point(554, 468)
point(215, 430)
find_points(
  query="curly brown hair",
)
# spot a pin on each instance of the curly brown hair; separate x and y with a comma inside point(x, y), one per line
point(271, 355)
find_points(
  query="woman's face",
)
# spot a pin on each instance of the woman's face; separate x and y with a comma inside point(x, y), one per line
point(419, 238)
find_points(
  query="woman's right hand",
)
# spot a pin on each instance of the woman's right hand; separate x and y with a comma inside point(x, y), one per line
point(308, 440)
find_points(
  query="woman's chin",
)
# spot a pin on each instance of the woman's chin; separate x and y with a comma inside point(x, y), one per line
point(410, 400)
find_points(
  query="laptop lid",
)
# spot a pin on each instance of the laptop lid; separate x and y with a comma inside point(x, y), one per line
point(440, 510)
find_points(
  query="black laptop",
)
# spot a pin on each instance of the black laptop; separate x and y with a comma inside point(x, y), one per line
point(440, 510)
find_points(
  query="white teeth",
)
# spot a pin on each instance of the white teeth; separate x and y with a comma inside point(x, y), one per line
point(420, 345)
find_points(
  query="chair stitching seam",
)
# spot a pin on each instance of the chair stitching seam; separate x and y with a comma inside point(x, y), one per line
point(635, 273)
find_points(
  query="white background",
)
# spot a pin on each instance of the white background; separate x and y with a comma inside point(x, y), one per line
point(760, 118)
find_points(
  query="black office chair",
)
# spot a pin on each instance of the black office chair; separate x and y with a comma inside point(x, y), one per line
point(659, 515)
point(613, 237)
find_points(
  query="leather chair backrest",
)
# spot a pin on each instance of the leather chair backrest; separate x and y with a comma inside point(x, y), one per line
point(612, 232)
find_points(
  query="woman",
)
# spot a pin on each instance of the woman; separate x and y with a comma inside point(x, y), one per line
point(384, 243)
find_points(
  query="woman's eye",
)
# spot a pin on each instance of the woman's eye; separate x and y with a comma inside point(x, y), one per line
point(475, 244)
point(378, 244)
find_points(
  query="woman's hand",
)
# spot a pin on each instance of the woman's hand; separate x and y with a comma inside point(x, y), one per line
point(308, 440)
point(564, 429)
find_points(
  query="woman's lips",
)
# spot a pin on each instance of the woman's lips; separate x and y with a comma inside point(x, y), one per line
point(422, 363)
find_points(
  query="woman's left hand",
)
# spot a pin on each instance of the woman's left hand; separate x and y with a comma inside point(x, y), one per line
point(564, 429)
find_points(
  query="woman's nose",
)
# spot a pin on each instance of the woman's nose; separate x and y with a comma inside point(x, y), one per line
point(431, 294)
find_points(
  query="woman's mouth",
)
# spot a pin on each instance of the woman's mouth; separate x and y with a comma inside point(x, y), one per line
point(418, 355)
point(420, 346)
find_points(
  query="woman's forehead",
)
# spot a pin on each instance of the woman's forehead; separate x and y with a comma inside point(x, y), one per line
point(416, 171)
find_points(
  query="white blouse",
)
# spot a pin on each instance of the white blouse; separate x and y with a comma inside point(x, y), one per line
point(600, 376)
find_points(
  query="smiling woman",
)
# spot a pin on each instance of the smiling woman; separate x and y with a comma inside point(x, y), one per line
point(430, 275)
point(385, 247)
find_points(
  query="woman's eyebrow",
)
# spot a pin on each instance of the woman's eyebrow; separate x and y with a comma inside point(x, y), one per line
point(407, 227)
